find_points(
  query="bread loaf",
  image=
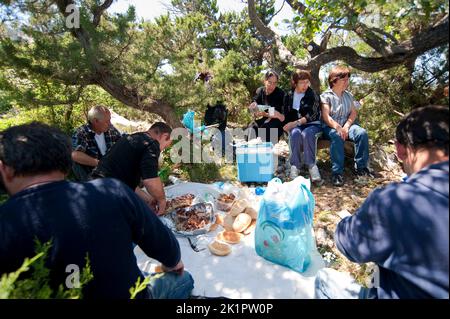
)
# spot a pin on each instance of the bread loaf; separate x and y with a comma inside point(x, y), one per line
point(213, 227)
point(228, 222)
point(238, 207)
point(241, 222)
point(219, 219)
point(229, 237)
point(250, 228)
point(250, 211)
point(219, 249)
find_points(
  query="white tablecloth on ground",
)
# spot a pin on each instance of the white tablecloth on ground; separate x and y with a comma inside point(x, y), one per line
point(242, 274)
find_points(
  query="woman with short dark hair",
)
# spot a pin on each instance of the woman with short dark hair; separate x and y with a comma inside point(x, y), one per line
point(271, 97)
point(302, 110)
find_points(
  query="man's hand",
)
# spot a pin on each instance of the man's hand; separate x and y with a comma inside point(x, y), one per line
point(147, 198)
point(84, 159)
point(161, 206)
point(155, 187)
point(345, 131)
point(178, 269)
point(341, 132)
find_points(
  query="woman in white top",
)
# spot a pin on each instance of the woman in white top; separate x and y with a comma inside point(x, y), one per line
point(302, 111)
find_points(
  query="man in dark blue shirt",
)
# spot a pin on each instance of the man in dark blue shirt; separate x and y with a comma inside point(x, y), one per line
point(100, 219)
point(404, 227)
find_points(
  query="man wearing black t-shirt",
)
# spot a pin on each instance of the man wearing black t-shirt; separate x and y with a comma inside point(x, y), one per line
point(270, 126)
point(134, 158)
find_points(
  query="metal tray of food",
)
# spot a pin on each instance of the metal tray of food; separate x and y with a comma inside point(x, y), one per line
point(191, 221)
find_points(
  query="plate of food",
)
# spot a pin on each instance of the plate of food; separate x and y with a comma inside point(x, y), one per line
point(191, 220)
point(181, 201)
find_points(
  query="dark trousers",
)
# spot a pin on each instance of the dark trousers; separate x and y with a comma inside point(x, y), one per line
point(81, 172)
point(269, 132)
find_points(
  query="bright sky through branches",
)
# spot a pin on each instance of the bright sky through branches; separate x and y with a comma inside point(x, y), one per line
point(149, 9)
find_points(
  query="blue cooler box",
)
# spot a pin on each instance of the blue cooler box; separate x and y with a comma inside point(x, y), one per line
point(255, 163)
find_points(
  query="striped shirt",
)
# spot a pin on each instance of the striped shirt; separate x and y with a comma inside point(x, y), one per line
point(340, 107)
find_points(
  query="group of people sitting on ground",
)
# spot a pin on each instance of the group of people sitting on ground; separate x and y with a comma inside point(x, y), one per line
point(402, 228)
point(303, 115)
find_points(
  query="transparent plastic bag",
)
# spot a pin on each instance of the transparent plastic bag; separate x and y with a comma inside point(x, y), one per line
point(284, 230)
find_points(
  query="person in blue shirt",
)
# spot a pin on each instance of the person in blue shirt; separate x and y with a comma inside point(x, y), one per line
point(100, 219)
point(402, 228)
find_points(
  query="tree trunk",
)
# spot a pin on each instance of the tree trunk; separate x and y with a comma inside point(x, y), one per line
point(315, 80)
point(167, 113)
point(103, 77)
point(131, 98)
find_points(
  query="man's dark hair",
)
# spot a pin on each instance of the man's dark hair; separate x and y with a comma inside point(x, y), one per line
point(35, 148)
point(161, 128)
point(271, 73)
point(425, 127)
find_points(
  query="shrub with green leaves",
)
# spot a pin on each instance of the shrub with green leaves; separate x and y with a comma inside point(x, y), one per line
point(36, 283)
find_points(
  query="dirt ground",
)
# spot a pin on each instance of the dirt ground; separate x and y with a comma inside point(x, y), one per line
point(331, 200)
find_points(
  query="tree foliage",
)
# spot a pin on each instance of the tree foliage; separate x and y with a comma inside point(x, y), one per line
point(36, 285)
point(148, 65)
point(116, 58)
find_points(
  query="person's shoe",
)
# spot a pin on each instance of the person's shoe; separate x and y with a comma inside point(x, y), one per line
point(315, 175)
point(294, 172)
point(337, 180)
point(364, 172)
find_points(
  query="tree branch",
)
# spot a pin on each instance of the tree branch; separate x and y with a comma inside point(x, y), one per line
point(297, 6)
point(265, 31)
point(412, 48)
point(103, 77)
point(98, 12)
point(373, 40)
point(392, 56)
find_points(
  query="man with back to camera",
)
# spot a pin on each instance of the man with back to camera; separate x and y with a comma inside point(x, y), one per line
point(134, 158)
point(404, 227)
point(100, 219)
point(92, 141)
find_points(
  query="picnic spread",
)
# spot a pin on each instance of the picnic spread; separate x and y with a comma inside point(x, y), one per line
point(215, 225)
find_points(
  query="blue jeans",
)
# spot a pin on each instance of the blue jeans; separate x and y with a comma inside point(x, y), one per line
point(356, 134)
point(303, 138)
point(169, 285)
point(331, 284)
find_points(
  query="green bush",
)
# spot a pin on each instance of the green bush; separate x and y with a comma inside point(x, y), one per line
point(36, 284)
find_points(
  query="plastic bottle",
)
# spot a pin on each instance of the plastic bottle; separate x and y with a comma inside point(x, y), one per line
point(174, 180)
point(260, 191)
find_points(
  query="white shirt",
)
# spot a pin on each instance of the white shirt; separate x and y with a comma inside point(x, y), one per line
point(101, 143)
point(297, 99)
